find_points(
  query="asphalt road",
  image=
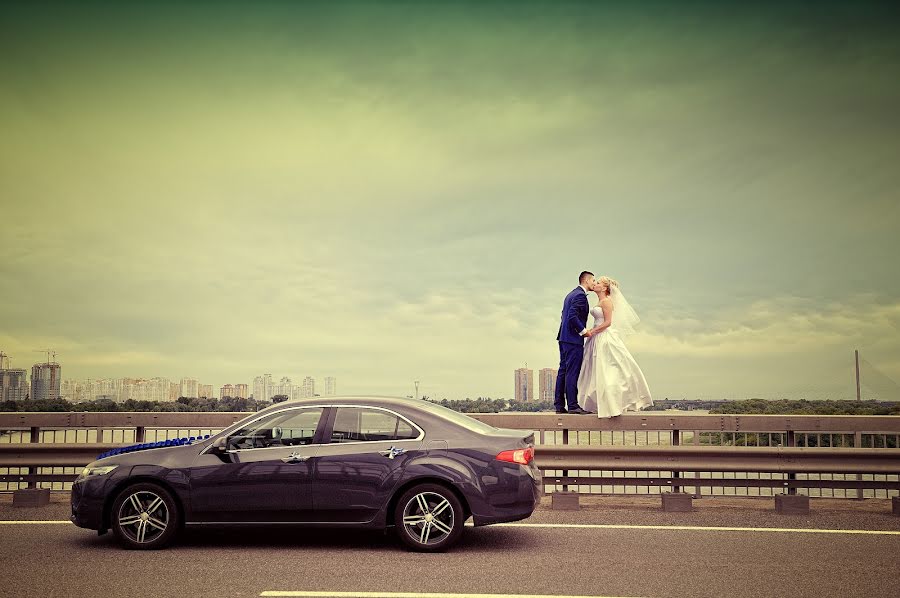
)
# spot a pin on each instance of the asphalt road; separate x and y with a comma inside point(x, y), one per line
point(49, 559)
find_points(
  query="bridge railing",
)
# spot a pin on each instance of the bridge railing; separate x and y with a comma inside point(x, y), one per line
point(645, 453)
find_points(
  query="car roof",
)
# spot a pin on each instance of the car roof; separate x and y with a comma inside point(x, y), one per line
point(374, 400)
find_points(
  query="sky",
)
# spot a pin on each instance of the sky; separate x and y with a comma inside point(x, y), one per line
point(387, 192)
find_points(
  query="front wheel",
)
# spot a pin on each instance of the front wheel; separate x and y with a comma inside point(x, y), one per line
point(144, 517)
point(429, 518)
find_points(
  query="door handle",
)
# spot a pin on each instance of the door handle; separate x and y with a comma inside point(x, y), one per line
point(295, 458)
point(393, 452)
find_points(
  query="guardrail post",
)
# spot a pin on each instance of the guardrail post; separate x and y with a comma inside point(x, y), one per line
point(676, 441)
point(35, 437)
point(857, 443)
point(791, 441)
point(565, 472)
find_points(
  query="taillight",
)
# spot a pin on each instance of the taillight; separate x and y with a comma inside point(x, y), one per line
point(521, 456)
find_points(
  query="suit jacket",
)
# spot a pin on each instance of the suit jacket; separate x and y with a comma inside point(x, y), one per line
point(574, 317)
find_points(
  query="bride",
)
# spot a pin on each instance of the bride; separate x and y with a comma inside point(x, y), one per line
point(611, 381)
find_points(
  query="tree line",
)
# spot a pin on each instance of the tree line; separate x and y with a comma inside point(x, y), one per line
point(476, 405)
point(181, 404)
point(804, 407)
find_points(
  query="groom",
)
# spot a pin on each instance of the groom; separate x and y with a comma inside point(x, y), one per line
point(572, 332)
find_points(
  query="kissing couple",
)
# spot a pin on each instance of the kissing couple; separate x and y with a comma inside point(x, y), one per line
point(599, 374)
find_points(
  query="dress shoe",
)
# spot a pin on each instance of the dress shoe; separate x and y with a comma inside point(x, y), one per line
point(561, 411)
point(580, 411)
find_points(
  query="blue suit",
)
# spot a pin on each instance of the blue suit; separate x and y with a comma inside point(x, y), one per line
point(571, 347)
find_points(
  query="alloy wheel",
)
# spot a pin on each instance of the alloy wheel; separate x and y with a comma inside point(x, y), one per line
point(143, 517)
point(428, 518)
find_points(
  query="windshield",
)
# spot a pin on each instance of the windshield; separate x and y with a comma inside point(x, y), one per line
point(458, 418)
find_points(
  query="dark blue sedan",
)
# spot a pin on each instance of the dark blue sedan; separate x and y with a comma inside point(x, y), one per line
point(349, 462)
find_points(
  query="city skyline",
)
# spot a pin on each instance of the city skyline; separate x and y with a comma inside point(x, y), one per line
point(47, 382)
point(159, 388)
point(15, 385)
point(392, 194)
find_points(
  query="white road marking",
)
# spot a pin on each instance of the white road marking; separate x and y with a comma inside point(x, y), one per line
point(36, 522)
point(795, 530)
point(689, 528)
point(418, 595)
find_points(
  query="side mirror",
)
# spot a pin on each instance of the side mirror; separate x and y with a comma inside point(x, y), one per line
point(220, 446)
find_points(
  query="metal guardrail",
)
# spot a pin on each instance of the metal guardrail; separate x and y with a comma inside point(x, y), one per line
point(782, 464)
point(672, 446)
point(674, 459)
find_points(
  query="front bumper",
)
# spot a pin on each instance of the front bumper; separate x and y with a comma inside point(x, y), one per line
point(87, 502)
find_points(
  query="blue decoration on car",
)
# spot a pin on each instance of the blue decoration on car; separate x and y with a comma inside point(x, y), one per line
point(149, 445)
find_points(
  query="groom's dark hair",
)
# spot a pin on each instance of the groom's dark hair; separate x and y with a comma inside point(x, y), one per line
point(584, 275)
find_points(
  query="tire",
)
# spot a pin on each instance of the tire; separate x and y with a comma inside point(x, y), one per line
point(429, 518)
point(144, 517)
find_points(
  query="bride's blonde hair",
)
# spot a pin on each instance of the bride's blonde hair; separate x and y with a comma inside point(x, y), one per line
point(608, 282)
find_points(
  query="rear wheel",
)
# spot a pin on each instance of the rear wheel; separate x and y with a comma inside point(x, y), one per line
point(144, 517)
point(429, 518)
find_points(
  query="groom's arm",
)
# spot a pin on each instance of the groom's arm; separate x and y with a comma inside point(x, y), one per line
point(576, 318)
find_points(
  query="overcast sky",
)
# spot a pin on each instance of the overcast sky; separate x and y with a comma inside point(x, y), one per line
point(406, 191)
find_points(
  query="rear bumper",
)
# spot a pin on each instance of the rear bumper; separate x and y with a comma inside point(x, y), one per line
point(524, 512)
point(514, 500)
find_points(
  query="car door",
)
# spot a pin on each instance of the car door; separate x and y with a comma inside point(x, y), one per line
point(361, 462)
point(265, 472)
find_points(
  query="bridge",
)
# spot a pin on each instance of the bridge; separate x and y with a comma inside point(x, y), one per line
point(619, 542)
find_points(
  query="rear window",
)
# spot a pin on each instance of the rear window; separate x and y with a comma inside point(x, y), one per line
point(460, 419)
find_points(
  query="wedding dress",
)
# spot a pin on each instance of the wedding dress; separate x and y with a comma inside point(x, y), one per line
point(610, 381)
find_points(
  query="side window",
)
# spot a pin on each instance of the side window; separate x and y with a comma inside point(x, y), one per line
point(406, 431)
point(287, 428)
point(355, 424)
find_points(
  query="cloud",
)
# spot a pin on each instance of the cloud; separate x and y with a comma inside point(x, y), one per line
point(308, 189)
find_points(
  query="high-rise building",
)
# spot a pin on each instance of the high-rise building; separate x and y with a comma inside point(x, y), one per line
point(157, 389)
point(68, 390)
point(205, 391)
point(263, 387)
point(13, 384)
point(308, 388)
point(128, 388)
point(45, 381)
point(142, 389)
point(284, 388)
point(190, 388)
point(524, 384)
point(235, 391)
point(330, 386)
point(121, 389)
point(546, 384)
point(103, 388)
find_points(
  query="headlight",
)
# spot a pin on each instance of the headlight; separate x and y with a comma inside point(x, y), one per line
point(96, 470)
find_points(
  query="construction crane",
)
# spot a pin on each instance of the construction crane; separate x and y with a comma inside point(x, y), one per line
point(49, 352)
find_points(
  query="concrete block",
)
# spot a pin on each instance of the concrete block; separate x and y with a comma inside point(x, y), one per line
point(677, 502)
point(895, 505)
point(31, 497)
point(792, 504)
point(564, 501)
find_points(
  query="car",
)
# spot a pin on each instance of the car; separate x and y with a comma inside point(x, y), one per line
point(368, 462)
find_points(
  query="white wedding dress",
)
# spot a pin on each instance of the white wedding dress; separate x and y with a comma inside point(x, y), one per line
point(610, 381)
